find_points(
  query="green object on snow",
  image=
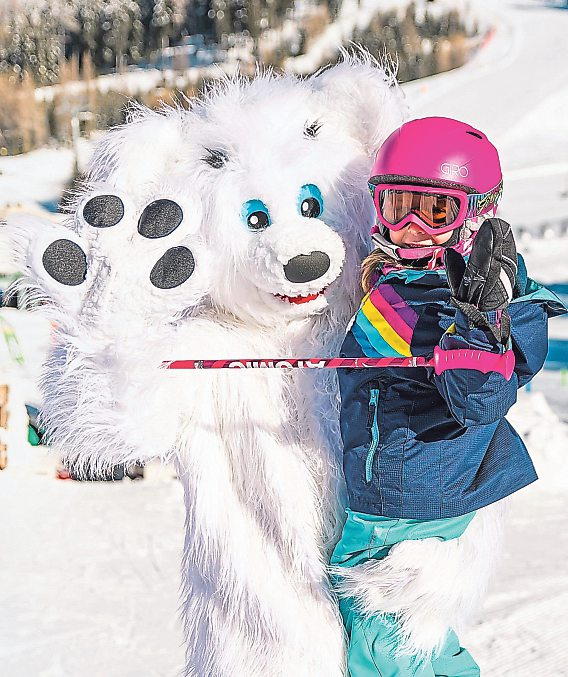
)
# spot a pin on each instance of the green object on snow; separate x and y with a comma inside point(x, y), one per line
point(11, 341)
point(33, 437)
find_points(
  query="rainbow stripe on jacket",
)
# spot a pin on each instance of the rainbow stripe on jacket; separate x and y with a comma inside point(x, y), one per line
point(384, 324)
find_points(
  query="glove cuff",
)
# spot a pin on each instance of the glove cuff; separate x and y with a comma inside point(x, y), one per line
point(497, 322)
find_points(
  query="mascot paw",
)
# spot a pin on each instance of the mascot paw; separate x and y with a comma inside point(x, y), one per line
point(52, 259)
point(144, 260)
point(118, 279)
point(119, 263)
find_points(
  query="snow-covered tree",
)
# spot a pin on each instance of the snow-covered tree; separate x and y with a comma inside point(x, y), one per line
point(163, 21)
point(198, 19)
point(122, 31)
point(30, 40)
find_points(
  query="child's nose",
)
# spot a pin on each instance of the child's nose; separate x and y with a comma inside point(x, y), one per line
point(415, 228)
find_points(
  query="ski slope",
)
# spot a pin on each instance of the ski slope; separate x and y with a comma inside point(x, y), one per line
point(516, 91)
point(90, 571)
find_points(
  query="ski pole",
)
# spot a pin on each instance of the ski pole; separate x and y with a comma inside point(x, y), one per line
point(478, 360)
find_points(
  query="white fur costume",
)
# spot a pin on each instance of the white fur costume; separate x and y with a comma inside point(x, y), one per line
point(258, 452)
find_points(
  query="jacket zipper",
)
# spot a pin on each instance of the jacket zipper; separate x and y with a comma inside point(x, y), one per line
point(374, 423)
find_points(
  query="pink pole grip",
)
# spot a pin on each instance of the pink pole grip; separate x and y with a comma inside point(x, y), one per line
point(479, 360)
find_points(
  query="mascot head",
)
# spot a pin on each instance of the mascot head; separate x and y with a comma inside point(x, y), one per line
point(282, 171)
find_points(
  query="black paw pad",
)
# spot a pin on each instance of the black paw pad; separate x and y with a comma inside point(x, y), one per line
point(103, 211)
point(65, 262)
point(160, 218)
point(173, 268)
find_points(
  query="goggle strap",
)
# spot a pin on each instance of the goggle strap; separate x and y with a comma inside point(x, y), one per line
point(480, 203)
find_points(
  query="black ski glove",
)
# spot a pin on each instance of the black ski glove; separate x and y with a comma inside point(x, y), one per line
point(486, 282)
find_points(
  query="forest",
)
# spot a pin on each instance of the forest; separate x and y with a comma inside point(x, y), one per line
point(48, 45)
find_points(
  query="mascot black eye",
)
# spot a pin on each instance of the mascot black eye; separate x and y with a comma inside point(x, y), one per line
point(255, 215)
point(310, 201)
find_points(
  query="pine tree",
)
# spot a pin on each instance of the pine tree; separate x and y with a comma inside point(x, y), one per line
point(122, 32)
point(31, 42)
point(163, 21)
point(198, 18)
point(84, 33)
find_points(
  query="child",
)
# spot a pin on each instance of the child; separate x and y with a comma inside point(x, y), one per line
point(423, 451)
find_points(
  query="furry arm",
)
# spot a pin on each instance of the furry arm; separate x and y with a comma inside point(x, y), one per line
point(104, 405)
point(114, 295)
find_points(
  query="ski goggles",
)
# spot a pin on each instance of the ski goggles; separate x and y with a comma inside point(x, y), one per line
point(436, 210)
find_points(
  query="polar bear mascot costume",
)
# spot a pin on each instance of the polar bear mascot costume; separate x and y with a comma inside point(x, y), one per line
point(233, 229)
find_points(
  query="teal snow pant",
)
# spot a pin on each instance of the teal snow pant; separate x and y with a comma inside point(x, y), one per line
point(372, 650)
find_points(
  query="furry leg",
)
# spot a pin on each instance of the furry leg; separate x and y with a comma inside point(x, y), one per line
point(431, 586)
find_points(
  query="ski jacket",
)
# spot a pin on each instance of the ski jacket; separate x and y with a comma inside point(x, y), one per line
point(422, 446)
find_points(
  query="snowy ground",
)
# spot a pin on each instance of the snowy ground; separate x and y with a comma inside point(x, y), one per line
point(89, 575)
point(90, 571)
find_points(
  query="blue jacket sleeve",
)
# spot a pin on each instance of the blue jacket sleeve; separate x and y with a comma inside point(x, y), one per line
point(474, 398)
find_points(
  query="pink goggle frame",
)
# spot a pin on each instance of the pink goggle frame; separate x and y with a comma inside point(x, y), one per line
point(398, 205)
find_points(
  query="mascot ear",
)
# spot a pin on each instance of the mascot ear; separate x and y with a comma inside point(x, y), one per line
point(365, 94)
point(133, 154)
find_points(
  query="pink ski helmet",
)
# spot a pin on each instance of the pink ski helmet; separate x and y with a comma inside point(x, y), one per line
point(424, 156)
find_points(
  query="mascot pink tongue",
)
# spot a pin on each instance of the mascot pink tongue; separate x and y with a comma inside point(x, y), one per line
point(300, 299)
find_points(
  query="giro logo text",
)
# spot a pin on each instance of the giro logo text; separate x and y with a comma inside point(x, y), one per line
point(450, 169)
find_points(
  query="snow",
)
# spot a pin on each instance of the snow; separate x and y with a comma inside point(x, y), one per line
point(134, 82)
point(47, 171)
point(39, 177)
point(523, 625)
point(90, 570)
point(523, 629)
point(515, 92)
point(90, 575)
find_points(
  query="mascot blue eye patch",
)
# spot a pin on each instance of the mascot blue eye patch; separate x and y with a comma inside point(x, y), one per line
point(103, 211)
point(65, 262)
point(175, 267)
point(310, 201)
point(255, 215)
point(159, 219)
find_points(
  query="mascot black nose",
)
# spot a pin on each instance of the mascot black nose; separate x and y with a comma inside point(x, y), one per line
point(307, 267)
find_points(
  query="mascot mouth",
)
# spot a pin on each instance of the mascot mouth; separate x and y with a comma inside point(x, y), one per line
point(296, 300)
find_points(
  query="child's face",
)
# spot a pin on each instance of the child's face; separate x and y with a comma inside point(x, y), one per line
point(413, 236)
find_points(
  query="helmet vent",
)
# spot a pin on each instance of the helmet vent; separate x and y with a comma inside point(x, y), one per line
point(475, 134)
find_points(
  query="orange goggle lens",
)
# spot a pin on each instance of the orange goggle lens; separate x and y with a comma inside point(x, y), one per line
point(437, 210)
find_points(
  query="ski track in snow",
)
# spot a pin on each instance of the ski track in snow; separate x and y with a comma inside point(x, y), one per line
point(90, 571)
point(523, 626)
point(90, 575)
